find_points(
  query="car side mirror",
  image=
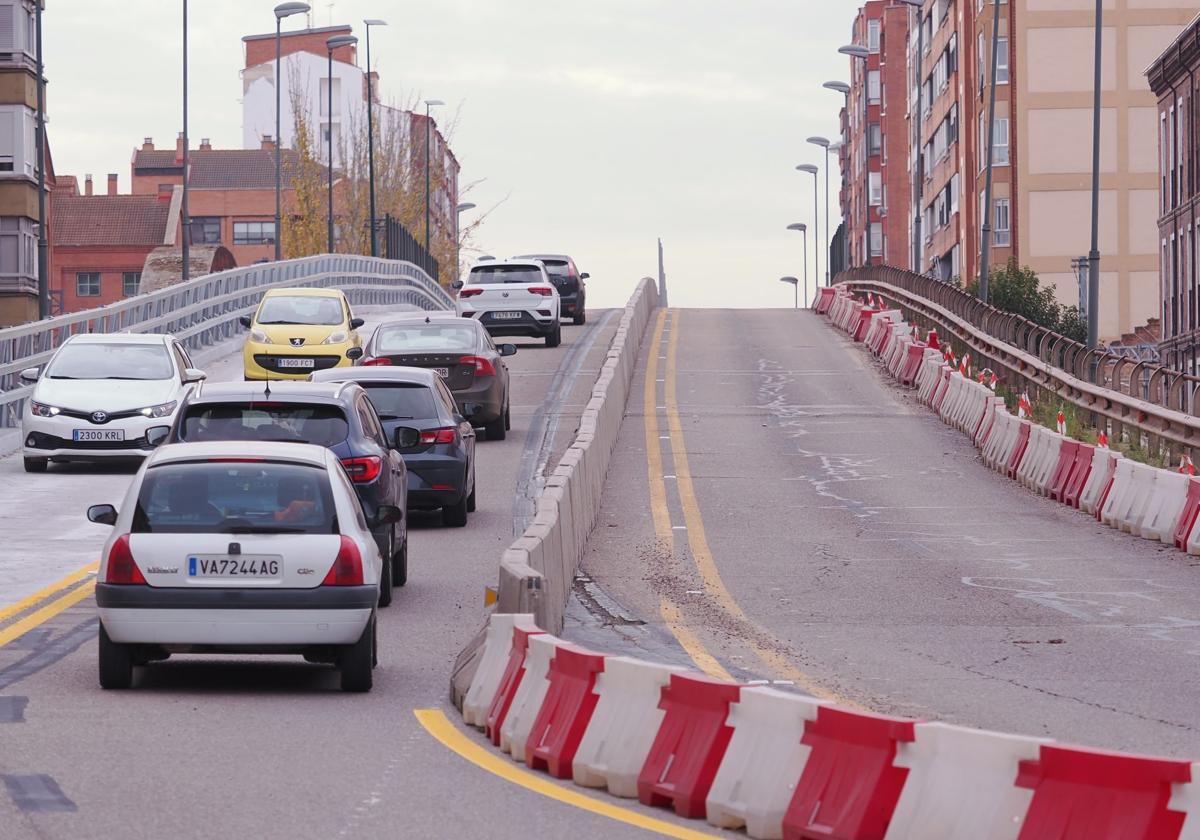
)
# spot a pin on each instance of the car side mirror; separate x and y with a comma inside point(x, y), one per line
point(507, 349)
point(355, 323)
point(29, 375)
point(193, 375)
point(354, 354)
point(386, 515)
point(457, 284)
point(584, 276)
point(406, 437)
point(157, 435)
point(102, 514)
point(245, 320)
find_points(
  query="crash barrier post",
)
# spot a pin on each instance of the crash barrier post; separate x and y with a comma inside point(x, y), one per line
point(565, 712)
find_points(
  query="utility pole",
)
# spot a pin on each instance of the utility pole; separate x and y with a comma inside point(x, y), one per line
point(186, 233)
point(985, 251)
point(1093, 277)
point(43, 259)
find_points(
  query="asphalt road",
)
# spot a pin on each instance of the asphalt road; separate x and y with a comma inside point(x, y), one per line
point(804, 519)
point(269, 747)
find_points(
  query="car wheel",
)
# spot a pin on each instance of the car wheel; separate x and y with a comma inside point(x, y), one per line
point(400, 566)
point(507, 417)
point(580, 318)
point(455, 515)
point(357, 660)
point(116, 663)
point(385, 579)
point(471, 500)
point(555, 338)
point(496, 429)
point(36, 465)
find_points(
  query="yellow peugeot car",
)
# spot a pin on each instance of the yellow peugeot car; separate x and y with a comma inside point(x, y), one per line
point(297, 331)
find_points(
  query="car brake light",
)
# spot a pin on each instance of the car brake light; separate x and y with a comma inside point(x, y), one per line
point(432, 436)
point(466, 293)
point(544, 291)
point(347, 569)
point(362, 470)
point(381, 361)
point(121, 568)
point(483, 367)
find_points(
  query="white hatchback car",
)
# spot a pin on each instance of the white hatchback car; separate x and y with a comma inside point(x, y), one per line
point(511, 297)
point(239, 547)
point(99, 394)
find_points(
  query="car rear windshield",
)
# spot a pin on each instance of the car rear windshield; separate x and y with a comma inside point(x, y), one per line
point(505, 274)
point(321, 424)
point(92, 360)
point(425, 338)
point(301, 309)
point(207, 497)
point(394, 401)
point(557, 268)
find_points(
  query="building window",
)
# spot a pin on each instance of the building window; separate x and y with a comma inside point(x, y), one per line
point(1000, 142)
point(337, 97)
point(876, 185)
point(876, 239)
point(873, 87)
point(206, 230)
point(17, 32)
point(1003, 226)
point(87, 284)
point(875, 142)
point(131, 283)
point(1002, 62)
point(253, 233)
point(873, 36)
point(18, 126)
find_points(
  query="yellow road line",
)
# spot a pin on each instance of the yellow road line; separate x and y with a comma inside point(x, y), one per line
point(41, 595)
point(20, 628)
point(698, 539)
point(658, 489)
point(440, 727)
point(690, 642)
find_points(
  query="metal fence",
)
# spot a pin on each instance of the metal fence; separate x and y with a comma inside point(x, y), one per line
point(399, 244)
point(204, 311)
point(1126, 393)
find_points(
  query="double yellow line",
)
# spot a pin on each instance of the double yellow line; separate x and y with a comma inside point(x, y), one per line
point(29, 615)
point(674, 616)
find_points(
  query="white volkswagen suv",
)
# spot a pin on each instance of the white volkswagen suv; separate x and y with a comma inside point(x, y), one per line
point(99, 394)
point(239, 547)
point(511, 297)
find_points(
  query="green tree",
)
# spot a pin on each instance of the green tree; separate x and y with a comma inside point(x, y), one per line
point(304, 223)
point(1015, 288)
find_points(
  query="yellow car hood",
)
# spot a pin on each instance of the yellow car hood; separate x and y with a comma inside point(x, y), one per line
point(287, 334)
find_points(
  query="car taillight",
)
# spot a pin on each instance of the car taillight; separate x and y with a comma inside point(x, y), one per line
point(362, 470)
point(466, 293)
point(121, 568)
point(382, 361)
point(544, 291)
point(483, 367)
point(432, 436)
point(347, 569)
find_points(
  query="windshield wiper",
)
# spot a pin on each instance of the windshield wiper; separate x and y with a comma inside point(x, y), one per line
point(261, 529)
point(284, 440)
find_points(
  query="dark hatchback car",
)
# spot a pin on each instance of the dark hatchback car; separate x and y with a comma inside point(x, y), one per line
point(336, 415)
point(572, 291)
point(441, 460)
point(461, 351)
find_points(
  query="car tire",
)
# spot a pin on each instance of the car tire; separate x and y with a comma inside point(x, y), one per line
point(385, 583)
point(116, 663)
point(580, 318)
point(555, 338)
point(36, 465)
point(455, 516)
point(496, 429)
point(357, 661)
point(400, 566)
point(507, 417)
point(471, 500)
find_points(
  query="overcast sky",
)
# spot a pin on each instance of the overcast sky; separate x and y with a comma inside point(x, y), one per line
point(596, 127)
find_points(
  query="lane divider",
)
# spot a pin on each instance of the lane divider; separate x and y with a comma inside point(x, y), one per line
point(42, 594)
point(45, 613)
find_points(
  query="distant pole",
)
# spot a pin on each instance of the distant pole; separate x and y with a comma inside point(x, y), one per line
point(805, 232)
point(329, 117)
point(828, 234)
point(43, 260)
point(985, 250)
point(428, 131)
point(187, 233)
point(662, 278)
point(918, 174)
point(1093, 288)
point(278, 142)
point(371, 137)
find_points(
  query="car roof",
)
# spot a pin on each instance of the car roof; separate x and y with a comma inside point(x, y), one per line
point(439, 316)
point(382, 373)
point(282, 391)
point(120, 338)
point(304, 292)
point(303, 453)
point(543, 257)
point(491, 263)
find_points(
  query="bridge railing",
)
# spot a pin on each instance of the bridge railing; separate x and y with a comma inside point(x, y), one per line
point(1134, 395)
point(204, 311)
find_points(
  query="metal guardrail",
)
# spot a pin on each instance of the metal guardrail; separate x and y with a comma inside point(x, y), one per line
point(1133, 395)
point(204, 311)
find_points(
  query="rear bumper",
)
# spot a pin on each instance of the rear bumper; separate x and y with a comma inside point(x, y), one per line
point(528, 324)
point(486, 393)
point(425, 474)
point(570, 304)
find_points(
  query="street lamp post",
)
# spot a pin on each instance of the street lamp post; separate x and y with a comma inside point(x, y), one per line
point(429, 103)
point(331, 45)
point(185, 269)
point(823, 142)
point(814, 171)
point(862, 54)
point(281, 11)
point(985, 245)
point(1093, 278)
point(918, 175)
point(371, 136)
point(795, 284)
point(43, 268)
point(466, 205)
point(803, 228)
